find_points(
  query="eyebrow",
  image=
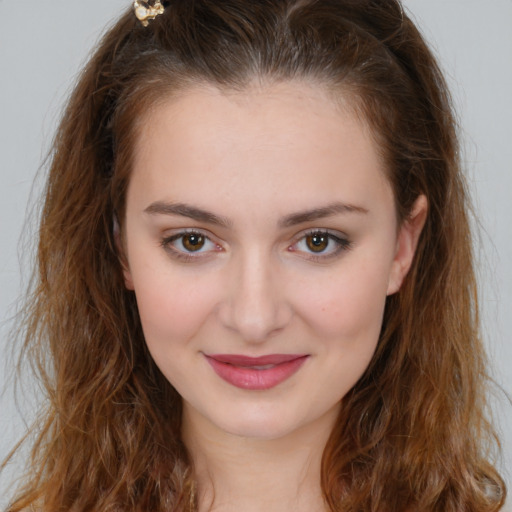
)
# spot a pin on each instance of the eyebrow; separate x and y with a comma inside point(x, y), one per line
point(186, 210)
point(320, 213)
point(195, 213)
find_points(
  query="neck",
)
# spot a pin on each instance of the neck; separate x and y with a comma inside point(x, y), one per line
point(236, 473)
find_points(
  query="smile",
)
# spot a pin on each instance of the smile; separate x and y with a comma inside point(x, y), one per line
point(256, 373)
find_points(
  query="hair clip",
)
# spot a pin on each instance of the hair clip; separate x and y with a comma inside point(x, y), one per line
point(145, 12)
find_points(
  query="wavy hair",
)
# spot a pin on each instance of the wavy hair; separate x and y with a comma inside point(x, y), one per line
point(412, 434)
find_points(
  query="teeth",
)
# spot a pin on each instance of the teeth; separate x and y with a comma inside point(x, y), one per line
point(263, 367)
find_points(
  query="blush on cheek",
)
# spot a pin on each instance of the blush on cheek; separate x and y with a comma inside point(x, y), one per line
point(165, 320)
point(173, 309)
point(351, 305)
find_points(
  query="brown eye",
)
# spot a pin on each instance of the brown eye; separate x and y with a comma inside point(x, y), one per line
point(190, 246)
point(193, 241)
point(320, 245)
point(317, 242)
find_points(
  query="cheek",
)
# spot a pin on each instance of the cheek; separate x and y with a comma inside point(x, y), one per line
point(173, 305)
point(347, 305)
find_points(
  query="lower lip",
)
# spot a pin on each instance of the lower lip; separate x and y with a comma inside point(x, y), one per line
point(254, 379)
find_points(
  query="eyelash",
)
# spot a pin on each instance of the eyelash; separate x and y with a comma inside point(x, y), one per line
point(183, 255)
point(342, 244)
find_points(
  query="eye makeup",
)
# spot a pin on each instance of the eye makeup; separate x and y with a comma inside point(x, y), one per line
point(317, 245)
point(189, 245)
point(320, 245)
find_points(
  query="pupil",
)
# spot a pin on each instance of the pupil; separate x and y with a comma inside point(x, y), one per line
point(317, 243)
point(193, 242)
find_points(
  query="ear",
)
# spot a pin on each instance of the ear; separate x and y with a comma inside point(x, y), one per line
point(407, 242)
point(121, 254)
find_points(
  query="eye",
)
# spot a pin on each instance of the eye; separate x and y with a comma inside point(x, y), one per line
point(321, 244)
point(193, 242)
point(317, 242)
point(189, 243)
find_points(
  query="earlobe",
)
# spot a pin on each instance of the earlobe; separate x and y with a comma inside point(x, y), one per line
point(407, 241)
point(128, 281)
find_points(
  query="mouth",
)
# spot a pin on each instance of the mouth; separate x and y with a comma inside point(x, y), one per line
point(256, 373)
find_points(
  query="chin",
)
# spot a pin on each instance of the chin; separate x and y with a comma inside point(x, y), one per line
point(265, 430)
point(258, 422)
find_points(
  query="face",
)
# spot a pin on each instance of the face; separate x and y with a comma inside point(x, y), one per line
point(261, 241)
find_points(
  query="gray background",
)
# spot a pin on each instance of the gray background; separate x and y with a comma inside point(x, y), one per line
point(43, 43)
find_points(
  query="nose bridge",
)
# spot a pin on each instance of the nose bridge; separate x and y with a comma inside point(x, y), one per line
point(256, 306)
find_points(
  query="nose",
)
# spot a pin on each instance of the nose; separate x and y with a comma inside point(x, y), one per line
point(255, 304)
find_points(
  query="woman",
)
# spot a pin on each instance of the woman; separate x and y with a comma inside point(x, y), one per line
point(255, 280)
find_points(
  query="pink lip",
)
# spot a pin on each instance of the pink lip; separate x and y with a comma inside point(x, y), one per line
point(243, 372)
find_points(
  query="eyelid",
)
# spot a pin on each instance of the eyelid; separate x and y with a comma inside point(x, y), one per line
point(343, 243)
point(167, 240)
point(341, 239)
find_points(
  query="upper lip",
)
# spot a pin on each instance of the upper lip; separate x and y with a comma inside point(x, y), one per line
point(242, 360)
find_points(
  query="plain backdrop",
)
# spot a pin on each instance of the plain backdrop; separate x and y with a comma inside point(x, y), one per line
point(43, 44)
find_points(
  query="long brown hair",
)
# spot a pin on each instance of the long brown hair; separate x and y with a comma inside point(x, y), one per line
point(412, 434)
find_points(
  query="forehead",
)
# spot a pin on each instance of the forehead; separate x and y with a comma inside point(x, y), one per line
point(290, 140)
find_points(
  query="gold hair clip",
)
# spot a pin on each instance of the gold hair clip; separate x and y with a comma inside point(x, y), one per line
point(147, 12)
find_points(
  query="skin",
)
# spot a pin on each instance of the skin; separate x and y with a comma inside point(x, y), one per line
point(254, 160)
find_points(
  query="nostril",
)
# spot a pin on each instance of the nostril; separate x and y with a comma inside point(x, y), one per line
point(255, 304)
point(255, 319)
